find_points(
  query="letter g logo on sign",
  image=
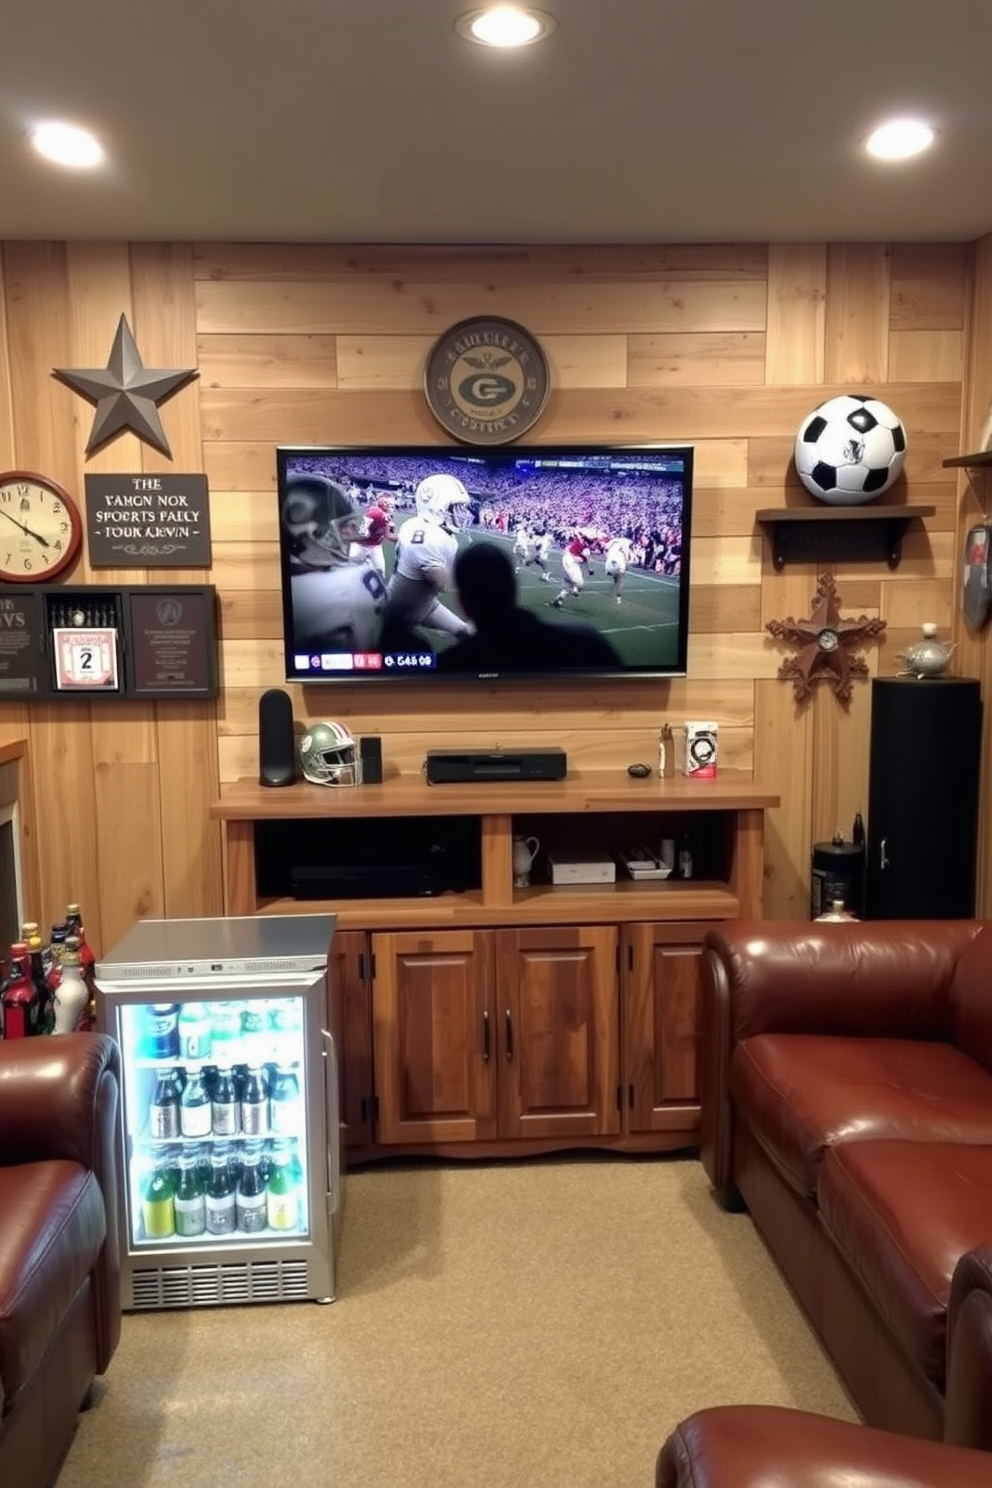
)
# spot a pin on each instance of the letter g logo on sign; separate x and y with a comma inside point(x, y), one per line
point(486, 389)
point(487, 380)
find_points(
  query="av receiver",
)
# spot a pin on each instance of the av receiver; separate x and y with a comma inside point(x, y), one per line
point(445, 766)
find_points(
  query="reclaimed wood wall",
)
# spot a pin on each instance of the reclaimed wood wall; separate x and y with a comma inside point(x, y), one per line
point(725, 346)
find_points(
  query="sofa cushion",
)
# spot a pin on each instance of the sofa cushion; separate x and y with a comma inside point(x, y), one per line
point(902, 1214)
point(970, 1003)
point(54, 1224)
point(801, 1093)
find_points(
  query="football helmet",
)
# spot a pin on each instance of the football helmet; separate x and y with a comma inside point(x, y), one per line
point(444, 500)
point(320, 519)
point(329, 755)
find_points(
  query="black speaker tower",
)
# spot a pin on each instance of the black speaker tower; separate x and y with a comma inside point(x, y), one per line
point(276, 740)
point(923, 779)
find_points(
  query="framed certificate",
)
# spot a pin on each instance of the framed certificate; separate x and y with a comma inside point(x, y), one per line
point(86, 659)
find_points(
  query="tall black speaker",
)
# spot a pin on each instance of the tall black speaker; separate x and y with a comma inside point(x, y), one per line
point(276, 739)
point(926, 737)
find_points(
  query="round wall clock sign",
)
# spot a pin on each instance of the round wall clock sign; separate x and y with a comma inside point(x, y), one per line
point(487, 381)
point(40, 528)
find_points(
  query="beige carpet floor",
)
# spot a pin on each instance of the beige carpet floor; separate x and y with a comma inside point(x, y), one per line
point(541, 1324)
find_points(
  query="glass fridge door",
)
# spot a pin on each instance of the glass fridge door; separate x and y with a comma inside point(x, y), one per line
point(214, 1111)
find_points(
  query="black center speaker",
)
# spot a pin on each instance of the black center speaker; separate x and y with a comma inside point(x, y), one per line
point(276, 739)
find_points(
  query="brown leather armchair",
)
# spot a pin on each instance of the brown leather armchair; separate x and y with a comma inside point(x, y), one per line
point(765, 1446)
point(60, 1313)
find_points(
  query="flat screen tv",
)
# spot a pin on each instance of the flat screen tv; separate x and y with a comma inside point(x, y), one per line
point(568, 560)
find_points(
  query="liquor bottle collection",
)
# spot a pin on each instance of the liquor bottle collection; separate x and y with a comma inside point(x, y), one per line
point(48, 988)
point(218, 1139)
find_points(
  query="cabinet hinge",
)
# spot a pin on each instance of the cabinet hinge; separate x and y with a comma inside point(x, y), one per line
point(370, 1108)
point(630, 957)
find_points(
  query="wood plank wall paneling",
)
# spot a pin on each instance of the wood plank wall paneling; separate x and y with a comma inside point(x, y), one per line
point(119, 795)
point(728, 346)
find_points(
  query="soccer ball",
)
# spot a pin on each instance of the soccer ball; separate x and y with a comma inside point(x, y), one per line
point(850, 450)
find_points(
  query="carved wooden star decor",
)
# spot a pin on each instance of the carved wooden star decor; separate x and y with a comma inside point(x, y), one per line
point(825, 642)
point(126, 393)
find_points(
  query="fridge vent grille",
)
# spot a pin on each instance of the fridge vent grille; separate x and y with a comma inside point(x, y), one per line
point(211, 1286)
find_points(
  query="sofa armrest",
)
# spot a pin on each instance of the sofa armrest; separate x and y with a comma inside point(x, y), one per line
point(58, 1099)
point(967, 1418)
point(874, 978)
point(754, 1446)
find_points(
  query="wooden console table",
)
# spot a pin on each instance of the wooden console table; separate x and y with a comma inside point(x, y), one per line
point(492, 1020)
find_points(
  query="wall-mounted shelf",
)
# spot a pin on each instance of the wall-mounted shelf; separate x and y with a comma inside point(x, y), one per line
point(971, 462)
point(808, 534)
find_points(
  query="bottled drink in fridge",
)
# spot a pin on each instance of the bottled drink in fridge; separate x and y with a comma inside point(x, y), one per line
point(195, 1107)
point(190, 1200)
point(158, 1202)
point(285, 1112)
point(283, 1198)
point(251, 1200)
point(194, 1031)
point(255, 1032)
point(224, 1104)
point(254, 1103)
point(220, 1197)
point(225, 1032)
point(163, 1113)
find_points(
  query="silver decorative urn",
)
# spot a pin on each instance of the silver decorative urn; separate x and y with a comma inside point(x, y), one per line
point(926, 658)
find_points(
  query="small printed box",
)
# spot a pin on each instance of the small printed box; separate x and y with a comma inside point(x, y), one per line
point(699, 750)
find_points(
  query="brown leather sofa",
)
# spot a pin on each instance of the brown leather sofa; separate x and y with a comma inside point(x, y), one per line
point(765, 1446)
point(847, 1099)
point(60, 1313)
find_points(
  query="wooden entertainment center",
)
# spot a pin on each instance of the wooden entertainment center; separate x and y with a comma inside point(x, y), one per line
point(488, 1020)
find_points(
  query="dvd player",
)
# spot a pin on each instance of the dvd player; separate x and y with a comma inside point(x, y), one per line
point(446, 766)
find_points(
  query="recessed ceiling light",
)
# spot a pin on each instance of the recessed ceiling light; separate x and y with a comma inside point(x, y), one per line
point(66, 144)
point(505, 26)
point(899, 139)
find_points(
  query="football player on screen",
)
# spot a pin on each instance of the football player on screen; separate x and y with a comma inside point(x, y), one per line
point(542, 548)
point(619, 551)
point(577, 552)
point(336, 603)
point(367, 548)
point(425, 551)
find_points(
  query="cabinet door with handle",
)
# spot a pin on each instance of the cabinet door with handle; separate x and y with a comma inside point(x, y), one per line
point(558, 1031)
point(434, 1036)
point(660, 965)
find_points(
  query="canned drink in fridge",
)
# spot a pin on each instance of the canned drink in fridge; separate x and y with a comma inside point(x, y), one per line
point(160, 1036)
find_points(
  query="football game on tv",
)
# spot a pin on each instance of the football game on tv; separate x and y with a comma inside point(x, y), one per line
point(407, 562)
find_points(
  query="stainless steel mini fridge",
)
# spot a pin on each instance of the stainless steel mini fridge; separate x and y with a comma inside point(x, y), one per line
point(229, 1121)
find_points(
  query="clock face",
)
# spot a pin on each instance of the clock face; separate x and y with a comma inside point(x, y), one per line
point(827, 640)
point(40, 528)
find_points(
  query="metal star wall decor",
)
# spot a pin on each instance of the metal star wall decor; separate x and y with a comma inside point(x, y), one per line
point(126, 393)
point(825, 642)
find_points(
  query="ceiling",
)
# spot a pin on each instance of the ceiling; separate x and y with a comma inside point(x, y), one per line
point(371, 121)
